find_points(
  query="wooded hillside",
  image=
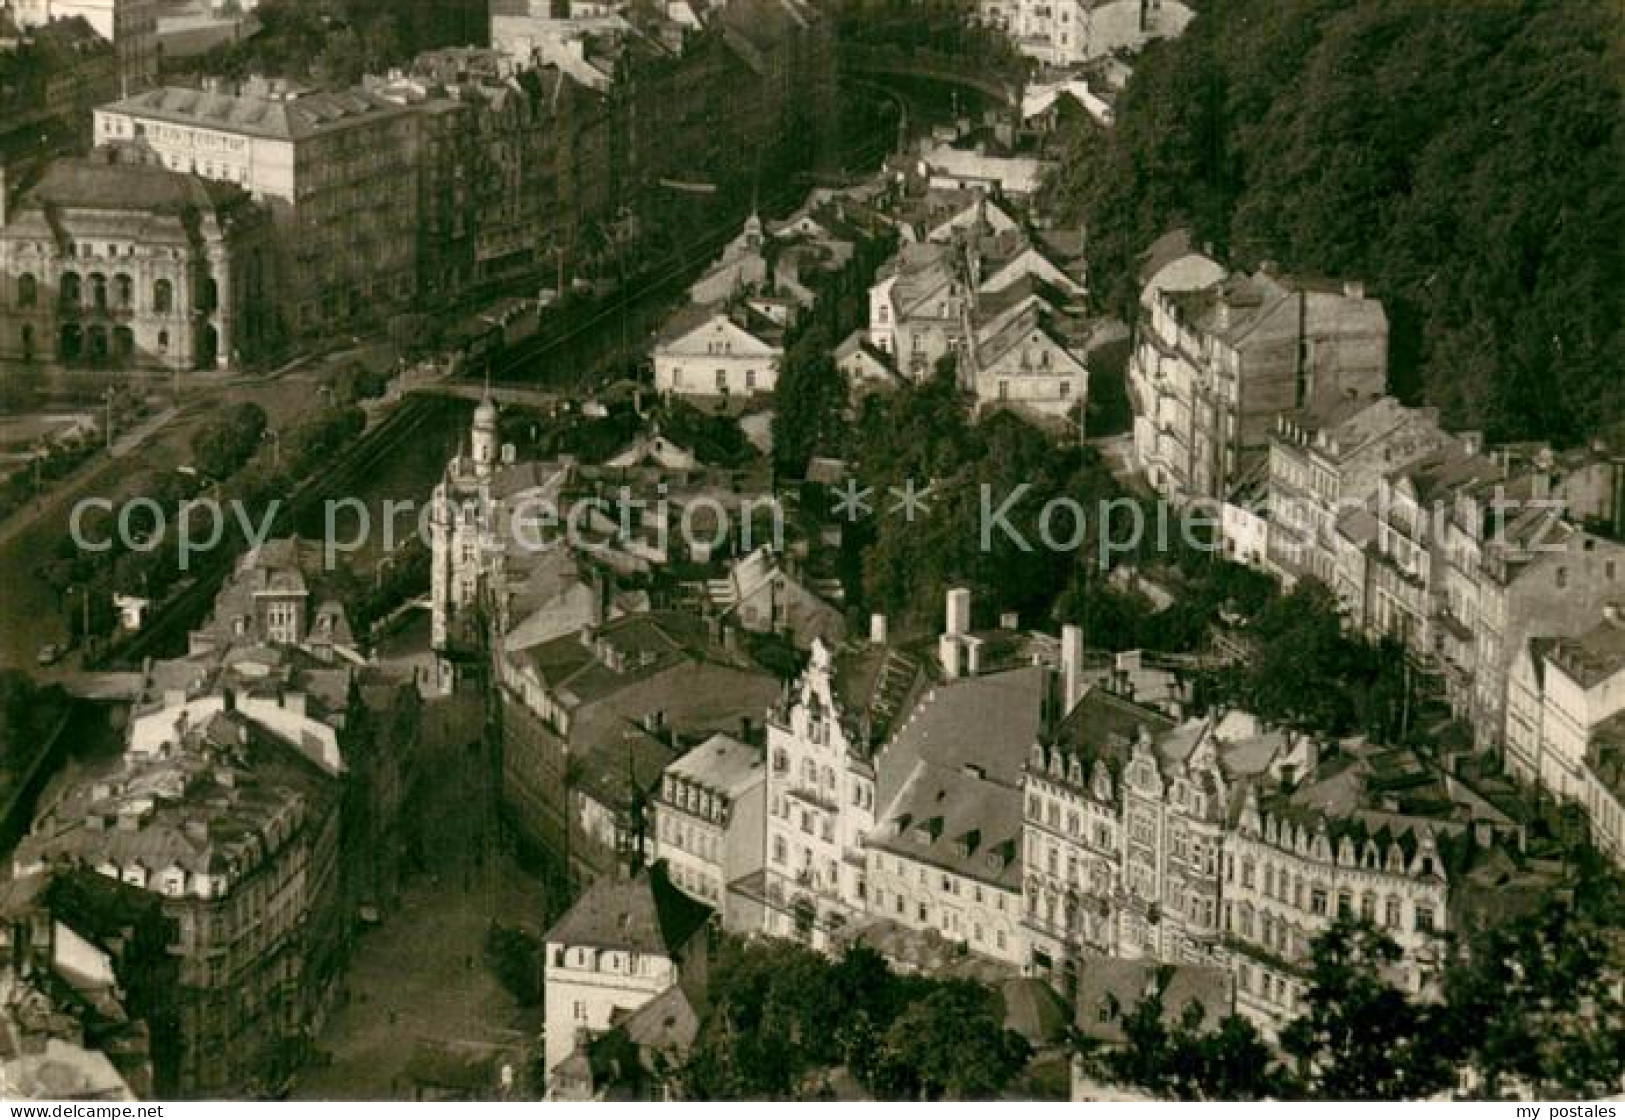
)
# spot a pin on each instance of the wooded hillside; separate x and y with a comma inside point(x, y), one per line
point(1466, 158)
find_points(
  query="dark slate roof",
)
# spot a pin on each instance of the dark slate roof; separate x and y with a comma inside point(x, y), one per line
point(261, 107)
point(1105, 726)
point(642, 914)
point(99, 184)
point(1109, 989)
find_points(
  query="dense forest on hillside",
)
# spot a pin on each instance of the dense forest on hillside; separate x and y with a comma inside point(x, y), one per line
point(1466, 158)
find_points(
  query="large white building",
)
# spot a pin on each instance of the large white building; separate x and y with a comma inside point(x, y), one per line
point(1068, 32)
point(622, 944)
point(338, 169)
point(1565, 726)
point(706, 352)
point(1220, 356)
point(118, 267)
point(709, 820)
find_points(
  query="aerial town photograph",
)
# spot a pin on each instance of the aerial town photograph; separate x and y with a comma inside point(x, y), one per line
point(812, 550)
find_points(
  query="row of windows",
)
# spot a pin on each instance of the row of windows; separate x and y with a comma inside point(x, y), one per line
point(104, 294)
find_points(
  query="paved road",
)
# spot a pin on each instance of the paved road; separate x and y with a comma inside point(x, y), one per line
point(421, 974)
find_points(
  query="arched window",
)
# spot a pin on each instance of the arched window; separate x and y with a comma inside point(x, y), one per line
point(163, 296)
point(163, 341)
point(27, 290)
point(208, 293)
point(70, 289)
point(98, 291)
point(123, 290)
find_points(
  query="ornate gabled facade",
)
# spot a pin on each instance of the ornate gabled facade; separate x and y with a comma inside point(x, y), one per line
point(1288, 876)
point(111, 265)
point(820, 805)
point(1124, 826)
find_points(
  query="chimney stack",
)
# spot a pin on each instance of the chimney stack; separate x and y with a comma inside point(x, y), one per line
point(1071, 668)
point(877, 629)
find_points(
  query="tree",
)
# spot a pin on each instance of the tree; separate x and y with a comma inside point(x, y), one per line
point(17, 693)
point(1309, 674)
point(1362, 1038)
point(780, 1012)
point(221, 446)
point(953, 1044)
point(1180, 1059)
point(1533, 1005)
point(809, 403)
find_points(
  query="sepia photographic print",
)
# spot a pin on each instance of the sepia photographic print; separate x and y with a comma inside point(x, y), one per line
point(831, 551)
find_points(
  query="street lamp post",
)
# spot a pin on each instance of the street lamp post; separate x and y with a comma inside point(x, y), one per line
point(109, 395)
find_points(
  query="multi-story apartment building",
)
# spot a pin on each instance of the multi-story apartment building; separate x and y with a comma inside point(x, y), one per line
point(1218, 842)
point(709, 821)
point(1070, 32)
point(1124, 825)
point(518, 139)
point(1291, 871)
point(1470, 559)
point(944, 853)
point(1216, 363)
point(236, 829)
point(117, 266)
point(1323, 466)
point(52, 77)
point(1565, 725)
point(339, 171)
point(592, 719)
point(130, 25)
point(449, 165)
point(822, 796)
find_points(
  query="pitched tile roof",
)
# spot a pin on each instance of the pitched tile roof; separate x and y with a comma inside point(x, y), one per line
point(641, 914)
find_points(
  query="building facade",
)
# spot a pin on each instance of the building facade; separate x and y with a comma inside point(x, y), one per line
point(709, 825)
point(108, 265)
point(708, 353)
point(622, 944)
point(130, 25)
point(1215, 365)
point(338, 170)
point(237, 831)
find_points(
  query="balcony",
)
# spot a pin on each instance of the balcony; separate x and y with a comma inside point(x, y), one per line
point(814, 798)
